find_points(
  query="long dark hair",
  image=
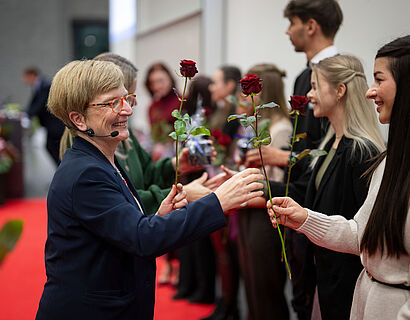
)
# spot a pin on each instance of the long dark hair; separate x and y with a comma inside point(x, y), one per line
point(199, 90)
point(386, 225)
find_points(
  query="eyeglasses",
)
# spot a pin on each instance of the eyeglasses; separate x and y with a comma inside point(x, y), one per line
point(118, 103)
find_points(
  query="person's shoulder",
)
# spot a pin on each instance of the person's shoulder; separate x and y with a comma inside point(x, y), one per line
point(45, 82)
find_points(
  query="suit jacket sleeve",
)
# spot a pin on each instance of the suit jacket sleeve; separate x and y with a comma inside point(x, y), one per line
point(39, 100)
point(100, 205)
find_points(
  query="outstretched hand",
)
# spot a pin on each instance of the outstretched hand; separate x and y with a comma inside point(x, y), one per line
point(288, 212)
point(239, 189)
point(216, 181)
point(196, 189)
point(175, 199)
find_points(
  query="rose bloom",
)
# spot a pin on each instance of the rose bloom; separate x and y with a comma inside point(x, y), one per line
point(216, 133)
point(297, 103)
point(251, 84)
point(188, 68)
point(224, 140)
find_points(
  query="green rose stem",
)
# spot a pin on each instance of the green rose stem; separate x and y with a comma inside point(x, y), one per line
point(269, 191)
point(176, 142)
point(291, 150)
point(290, 164)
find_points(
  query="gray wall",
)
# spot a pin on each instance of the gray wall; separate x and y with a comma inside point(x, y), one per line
point(38, 32)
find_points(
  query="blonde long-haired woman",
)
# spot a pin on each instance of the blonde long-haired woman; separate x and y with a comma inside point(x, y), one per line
point(337, 185)
point(380, 231)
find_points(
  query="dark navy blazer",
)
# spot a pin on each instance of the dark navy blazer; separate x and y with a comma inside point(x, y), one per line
point(100, 250)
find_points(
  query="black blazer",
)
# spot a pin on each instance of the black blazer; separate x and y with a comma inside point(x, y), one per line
point(342, 191)
point(100, 250)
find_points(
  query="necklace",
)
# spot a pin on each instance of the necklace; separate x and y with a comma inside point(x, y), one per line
point(135, 198)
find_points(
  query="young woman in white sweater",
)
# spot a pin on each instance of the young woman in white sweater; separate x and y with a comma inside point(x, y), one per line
point(380, 231)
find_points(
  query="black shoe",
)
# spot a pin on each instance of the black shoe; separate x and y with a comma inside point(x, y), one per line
point(201, 297)
point(181, 295)
point(222, 312)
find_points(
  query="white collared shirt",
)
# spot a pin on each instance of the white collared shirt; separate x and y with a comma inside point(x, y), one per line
point(325, 53)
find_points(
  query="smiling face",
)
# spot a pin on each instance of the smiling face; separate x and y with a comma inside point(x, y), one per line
point(297, 33)
point(104, 121)
point(323, 96)
point(383, 89)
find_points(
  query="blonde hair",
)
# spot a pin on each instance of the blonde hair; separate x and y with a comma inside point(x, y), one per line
point(77, 83)
point(360, 120)
point(272, 90)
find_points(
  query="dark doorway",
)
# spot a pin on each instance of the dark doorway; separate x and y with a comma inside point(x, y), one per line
point(90, 38)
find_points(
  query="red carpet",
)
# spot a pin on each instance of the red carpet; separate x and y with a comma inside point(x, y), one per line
point(22, 275)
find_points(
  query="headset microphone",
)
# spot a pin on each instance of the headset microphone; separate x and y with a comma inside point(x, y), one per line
point(91, 133)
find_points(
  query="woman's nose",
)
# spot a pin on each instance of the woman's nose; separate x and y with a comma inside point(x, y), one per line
point(371, 93)
point(309, 94)
point(126, 109)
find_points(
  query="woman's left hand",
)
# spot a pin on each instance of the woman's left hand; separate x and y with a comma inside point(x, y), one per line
point(176, 199)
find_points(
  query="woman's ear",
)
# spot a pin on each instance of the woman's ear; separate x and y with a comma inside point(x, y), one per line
point(341, 91)
point(78, 120)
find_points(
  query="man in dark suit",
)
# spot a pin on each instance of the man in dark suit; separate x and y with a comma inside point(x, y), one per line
point(312, 29)
point(38, 107)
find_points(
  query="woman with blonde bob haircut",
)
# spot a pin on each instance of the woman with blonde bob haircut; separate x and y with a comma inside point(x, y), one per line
point(101, 245)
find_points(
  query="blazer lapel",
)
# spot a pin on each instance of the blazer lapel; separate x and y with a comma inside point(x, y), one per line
point(330, 168)
point(129, 189)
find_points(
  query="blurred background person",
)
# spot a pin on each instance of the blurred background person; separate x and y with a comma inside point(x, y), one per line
point(264, 274)
point(160, 84)
point(40, 87)
point(313, 25)
point(225, 82)
point(197, 260)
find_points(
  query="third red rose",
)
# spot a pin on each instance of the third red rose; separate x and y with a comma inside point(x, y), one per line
point(251, 84)
point(188, 68)
point(297, 103)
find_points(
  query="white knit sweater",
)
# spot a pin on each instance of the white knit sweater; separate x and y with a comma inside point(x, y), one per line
point(371, 300)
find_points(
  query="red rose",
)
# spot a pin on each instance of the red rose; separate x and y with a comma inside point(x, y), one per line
point(216, 133)
point(188, 68)
point(208, 111)
point(297, 103)
point(224, 140)
point(251, 84)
